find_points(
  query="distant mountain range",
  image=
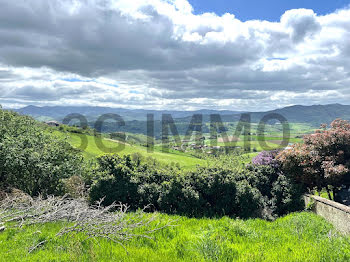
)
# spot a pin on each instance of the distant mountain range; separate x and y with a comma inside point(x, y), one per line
point(315, 114)
point(92, 113)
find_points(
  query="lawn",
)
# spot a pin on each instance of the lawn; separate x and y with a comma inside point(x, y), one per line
point(296, 237)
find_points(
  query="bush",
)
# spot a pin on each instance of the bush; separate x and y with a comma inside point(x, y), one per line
point(286, 196)
point(281, 194)
point(115, 181)
point(266, 158)
point(32, 159)
point(215, 190)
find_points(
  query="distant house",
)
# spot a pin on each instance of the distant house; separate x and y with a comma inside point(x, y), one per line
point(52, 123)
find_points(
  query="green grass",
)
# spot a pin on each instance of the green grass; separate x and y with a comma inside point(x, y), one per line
point(276, 130)
point(257, 145)
point(275, 138)
point(324, 194)
point(92, 151)
point(296, 237)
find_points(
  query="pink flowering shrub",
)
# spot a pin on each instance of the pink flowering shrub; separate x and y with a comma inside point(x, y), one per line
point(266, 158)
point(323, 161)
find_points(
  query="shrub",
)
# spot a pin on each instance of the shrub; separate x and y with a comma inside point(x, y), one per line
point(281, 194)
point(115, 180)
point(219, 189)
point(32, 159)
point(266, 158)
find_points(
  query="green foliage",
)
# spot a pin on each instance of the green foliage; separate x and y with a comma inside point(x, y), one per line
point(76, 130)
point(311, 205)
point(224, 187)
point(280, 193)
point(32, 159)
point(116, 181)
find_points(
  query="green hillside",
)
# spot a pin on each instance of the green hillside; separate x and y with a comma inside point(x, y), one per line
point(92, 151)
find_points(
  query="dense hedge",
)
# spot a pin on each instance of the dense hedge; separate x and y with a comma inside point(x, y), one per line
point(32, 159)
point(215, 190)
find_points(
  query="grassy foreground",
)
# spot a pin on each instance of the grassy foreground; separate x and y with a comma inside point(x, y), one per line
point(296, 237)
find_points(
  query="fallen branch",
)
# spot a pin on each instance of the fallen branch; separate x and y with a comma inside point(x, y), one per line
point(112, 222)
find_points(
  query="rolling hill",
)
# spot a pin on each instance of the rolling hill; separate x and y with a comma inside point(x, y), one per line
point(315, 114)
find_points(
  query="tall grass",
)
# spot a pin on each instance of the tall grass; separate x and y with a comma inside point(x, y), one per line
point(296, 237)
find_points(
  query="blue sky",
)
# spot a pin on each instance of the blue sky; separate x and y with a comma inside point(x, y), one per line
point(270, 10)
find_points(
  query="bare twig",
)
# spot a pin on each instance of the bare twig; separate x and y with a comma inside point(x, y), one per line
point(112, 222)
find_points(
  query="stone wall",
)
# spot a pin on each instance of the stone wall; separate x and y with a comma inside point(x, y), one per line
point(335, 213)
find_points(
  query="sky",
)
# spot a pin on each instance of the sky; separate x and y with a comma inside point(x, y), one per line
point(270, 10)
point(174, 54)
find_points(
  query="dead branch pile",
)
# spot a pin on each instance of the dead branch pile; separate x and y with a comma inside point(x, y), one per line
point(112, 222)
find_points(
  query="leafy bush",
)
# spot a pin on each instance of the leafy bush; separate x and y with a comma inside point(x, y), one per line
point(115, 181)
point(282, 195)
point(218, 189)
point(32, 159)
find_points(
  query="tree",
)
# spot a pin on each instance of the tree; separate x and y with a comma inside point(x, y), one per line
point(323, 161)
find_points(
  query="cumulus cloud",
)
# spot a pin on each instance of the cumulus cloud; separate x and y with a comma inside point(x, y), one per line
point(159, 54)
point(302, 23)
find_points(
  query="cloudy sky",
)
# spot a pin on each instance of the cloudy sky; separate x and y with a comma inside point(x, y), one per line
point(174, 54)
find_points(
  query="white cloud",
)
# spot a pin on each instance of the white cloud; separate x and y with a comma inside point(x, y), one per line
point(300, 23)
point(159, 54)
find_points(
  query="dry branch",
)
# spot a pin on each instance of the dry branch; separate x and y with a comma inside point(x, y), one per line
point(112, 222)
